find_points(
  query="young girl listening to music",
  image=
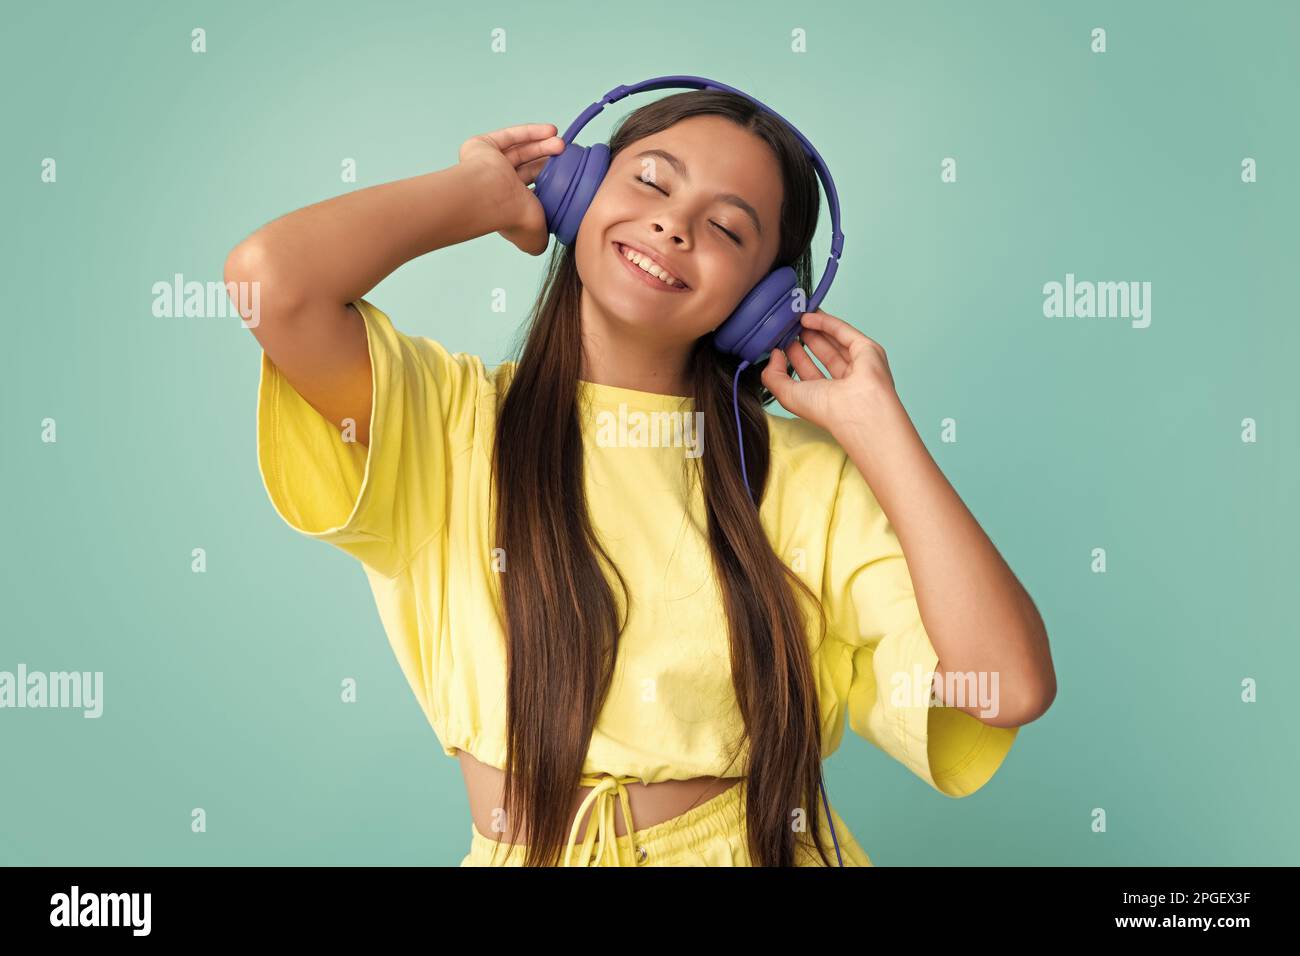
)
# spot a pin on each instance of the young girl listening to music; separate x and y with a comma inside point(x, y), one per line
point(640, 656)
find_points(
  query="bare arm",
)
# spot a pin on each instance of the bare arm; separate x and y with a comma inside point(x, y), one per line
point(978, 616)
point(313, 262)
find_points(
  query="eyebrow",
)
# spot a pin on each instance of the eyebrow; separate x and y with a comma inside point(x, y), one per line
point(730, 198)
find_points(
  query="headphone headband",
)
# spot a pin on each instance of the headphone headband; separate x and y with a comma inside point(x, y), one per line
point(701, 83)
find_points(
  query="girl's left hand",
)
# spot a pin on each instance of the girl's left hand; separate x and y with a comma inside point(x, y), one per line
point(860, 383)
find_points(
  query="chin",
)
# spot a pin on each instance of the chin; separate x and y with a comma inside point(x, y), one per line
point(635, 316)
point(629, 307)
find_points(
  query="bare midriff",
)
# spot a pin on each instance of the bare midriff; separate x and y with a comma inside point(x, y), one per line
point(651, 802)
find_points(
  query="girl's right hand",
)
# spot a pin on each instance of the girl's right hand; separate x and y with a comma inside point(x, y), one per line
point(516, 155)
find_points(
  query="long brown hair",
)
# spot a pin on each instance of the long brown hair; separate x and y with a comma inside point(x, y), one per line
point(562, 618)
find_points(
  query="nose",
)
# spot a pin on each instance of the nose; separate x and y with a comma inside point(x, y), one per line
point(679, 236)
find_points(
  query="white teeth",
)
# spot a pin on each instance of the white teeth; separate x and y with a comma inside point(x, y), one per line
point(648, 265)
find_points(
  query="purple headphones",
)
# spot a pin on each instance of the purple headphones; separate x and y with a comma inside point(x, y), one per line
point(766, 317)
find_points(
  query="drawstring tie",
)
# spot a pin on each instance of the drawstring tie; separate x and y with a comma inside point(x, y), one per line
point(601, 831)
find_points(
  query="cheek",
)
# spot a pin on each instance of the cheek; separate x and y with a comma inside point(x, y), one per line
point(731, 278)
point(617, 204)
point(591, 235)
point(596, 223)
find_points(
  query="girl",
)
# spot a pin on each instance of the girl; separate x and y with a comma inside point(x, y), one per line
point(636, 662)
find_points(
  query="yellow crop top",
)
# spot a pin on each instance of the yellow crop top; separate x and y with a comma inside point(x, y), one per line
point(413, 509)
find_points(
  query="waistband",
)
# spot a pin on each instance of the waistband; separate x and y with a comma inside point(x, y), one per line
point(711, 833)
point(675, 841)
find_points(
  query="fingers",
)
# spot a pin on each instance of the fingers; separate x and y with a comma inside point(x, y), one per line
point(510, 136)
point(828, 352)
point(803, 364)
point(775, 376)
point(836, 329)
point(526, 153)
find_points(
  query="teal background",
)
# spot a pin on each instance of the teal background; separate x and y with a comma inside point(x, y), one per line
point(222, 689)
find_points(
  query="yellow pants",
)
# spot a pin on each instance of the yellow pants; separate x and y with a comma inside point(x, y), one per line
point(710, 834)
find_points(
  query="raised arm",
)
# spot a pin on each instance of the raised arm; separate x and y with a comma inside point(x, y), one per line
point(313, 262)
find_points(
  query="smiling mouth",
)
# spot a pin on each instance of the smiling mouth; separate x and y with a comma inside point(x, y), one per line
point(645, 277)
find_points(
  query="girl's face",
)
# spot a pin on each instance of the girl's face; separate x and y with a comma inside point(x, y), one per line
point(701, 199)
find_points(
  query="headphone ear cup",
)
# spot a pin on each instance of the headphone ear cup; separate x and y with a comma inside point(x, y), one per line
point(567, 184)
point(765, 318)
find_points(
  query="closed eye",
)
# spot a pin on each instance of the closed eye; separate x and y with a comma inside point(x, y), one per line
point(731, 235)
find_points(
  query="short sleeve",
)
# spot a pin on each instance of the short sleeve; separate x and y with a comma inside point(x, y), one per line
point(379, 503)
point(879, 648)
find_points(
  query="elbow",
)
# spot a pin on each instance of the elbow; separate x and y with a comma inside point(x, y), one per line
point(255, 279)
point(1037, 699)
point(246, 261)
point(1037, 682)
point(1038, 705)
point(997, 703)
